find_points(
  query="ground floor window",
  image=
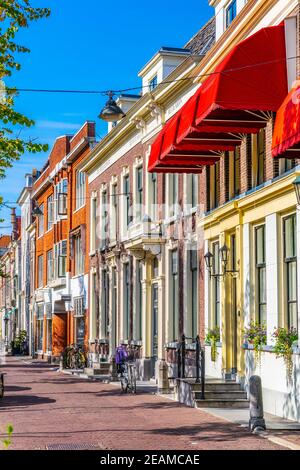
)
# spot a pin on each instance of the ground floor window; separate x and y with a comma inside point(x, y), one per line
point(49, 335)
point(39, 334)
point(194, 292)
point(260, 263)
point(174, 284)
point(79, 330)
point(290, 262)
point(79, 320)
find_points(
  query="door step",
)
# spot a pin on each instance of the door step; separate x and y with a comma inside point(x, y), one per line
point(222, 403)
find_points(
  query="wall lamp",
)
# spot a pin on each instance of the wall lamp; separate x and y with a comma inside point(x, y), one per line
point(224, 255)
point(296, 184)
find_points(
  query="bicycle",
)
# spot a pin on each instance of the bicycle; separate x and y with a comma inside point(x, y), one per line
point(128, 377)
point(75, 357)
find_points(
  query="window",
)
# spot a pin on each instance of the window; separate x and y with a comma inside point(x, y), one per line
point(173, 194)
point(153, 195)
point(216, 285)
point(213, 185)
point(192, 190)
point(104, 219)
point(79, 257)
point(260, 263)
point(50, 266)
point(49, 335)
point(50, 212)
point(39, 326)
point(78, 306)
point(127, 200)
point(113, 214)
point(40, 271)
point(126, 284)
point(62, 195)
point(174, 295)
point(236, 172)
point(80, 189)
point(79, 319)
point(258, 157)
point(290, 261)
point(193, 310)
point(139, 192)
point(230, 13)
point(41, 221)
point(153, 83)
point(94, 214)
point(62, 258)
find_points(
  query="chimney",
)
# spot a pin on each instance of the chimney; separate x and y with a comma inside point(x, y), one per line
point(13, 220)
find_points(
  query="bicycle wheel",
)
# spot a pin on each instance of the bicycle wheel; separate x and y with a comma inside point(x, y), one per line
point(1, 386)
point(124, 384)
point(133, 379)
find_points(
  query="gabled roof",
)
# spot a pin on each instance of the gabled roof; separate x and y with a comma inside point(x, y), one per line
point(204, 39)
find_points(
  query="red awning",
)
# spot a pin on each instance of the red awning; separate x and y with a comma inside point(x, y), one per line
point(286, 136)
point(236, 99)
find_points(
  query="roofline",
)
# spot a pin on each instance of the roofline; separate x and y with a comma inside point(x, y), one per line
point(164, 52)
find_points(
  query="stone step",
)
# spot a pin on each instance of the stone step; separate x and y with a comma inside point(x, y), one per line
point(101, 365)
point(221, 395)
point(92, 371)
point(218, 387)
point(222, 403)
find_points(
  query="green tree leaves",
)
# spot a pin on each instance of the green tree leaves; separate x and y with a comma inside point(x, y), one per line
point(14, 14)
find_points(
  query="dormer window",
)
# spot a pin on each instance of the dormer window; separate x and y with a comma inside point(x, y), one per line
point(230, 12)
point(153, 83)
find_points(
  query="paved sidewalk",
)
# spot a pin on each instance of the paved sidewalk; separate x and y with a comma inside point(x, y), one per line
point(48, 408)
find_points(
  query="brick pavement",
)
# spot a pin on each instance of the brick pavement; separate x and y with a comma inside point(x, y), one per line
point(47, 407)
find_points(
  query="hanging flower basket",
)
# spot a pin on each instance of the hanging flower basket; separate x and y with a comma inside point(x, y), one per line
point(213, 337)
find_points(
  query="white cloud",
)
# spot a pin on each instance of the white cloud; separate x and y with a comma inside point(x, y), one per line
point(57, 125)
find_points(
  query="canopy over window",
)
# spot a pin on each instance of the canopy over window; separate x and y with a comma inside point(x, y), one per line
point(286, 137)
point(248, 84)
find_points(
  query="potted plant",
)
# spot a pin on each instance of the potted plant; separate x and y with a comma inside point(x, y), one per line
point(213, 337)
point(256, 334)
point(284, 341)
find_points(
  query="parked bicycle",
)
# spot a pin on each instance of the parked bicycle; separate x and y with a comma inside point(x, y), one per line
point(74, 357)
point(126, 369)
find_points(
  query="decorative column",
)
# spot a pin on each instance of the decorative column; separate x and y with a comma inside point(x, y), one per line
point(147, 318)
point(272, 260)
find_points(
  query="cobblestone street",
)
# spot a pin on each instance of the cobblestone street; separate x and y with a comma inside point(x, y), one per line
point(48, 408)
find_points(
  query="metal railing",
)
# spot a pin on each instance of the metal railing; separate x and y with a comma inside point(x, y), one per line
point(199, 361)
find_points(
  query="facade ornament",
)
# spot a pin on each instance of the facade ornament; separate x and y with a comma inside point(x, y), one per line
point(155, 109)
point(139, 123)
point(154, 249)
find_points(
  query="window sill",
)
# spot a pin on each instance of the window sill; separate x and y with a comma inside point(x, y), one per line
point(77, 276)
point(79, 208)
point(270, 349)
point(219, 345)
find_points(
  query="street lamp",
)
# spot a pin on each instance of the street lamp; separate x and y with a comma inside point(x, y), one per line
point(224, 252)
point(111, 111)
point(296, 184)
point(208, 258)
point(209, 261)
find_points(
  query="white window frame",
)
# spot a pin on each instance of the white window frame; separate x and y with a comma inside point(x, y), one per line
point(80, 189)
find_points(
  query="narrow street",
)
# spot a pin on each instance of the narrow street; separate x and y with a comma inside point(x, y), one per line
point(47, 409)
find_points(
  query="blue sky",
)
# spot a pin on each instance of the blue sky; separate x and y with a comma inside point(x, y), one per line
point(92, 45)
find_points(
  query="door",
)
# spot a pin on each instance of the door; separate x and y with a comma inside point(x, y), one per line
point(59, 333)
